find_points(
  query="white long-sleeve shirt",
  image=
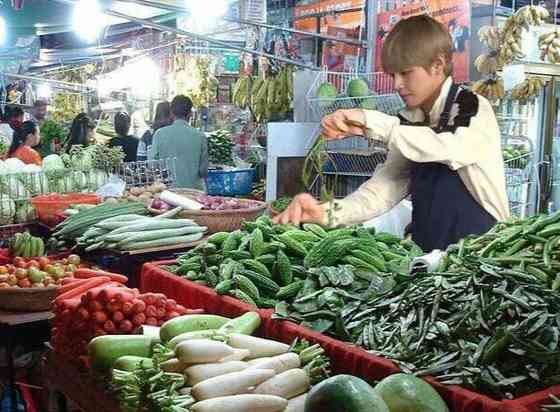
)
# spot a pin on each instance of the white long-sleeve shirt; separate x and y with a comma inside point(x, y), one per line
point(473, 151)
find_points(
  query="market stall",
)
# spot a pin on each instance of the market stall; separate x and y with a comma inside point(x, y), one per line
point(165, 298)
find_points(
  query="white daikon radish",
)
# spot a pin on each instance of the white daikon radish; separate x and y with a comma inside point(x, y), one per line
point(257, 360)
point(296, 404)
point(234, 383)
point(174, 365)
point(177, 200)
point(280, 363)
point(202, 351)
point(242, 403)
point(198, 373)
point(238, 355)
point(257, 346)
point(287, 385)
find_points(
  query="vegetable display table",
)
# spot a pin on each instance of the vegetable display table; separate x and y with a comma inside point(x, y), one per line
point(345, 358)
point(14, 329)
point(77, 384)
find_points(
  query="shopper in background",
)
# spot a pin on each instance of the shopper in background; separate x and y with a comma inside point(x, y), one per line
point(128, 143)
point(186, 144)
point(25, 138)
point(13, 119)
point(162, 118)
point(39, 112)
point(82, 132)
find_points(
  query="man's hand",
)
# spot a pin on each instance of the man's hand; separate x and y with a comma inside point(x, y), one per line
point(303, 209)
point(343, 123)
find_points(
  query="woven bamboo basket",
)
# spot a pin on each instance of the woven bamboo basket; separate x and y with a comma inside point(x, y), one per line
point(217, 220)
point(27, 299)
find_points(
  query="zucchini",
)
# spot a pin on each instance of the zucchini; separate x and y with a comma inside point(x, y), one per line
point(155, 224)
point(104, 350)
point(190, 323)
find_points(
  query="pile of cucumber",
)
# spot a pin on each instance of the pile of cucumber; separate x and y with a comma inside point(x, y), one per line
point(130, 232)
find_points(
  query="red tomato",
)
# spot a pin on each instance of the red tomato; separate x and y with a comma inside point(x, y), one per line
point(20, 262)
point(43, 262)
point(33, 263)
point(24, 283)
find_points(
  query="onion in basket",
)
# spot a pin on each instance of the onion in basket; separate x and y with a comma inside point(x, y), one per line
point(160, 205)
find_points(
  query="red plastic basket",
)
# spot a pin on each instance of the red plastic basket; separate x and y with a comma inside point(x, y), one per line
point(48, 206)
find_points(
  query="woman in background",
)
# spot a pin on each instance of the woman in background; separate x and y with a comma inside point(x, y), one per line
point(128, 143)
point(81, 133)
point(162, 118)
point(25, 137)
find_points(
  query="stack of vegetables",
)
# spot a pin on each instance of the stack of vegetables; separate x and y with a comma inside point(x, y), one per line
point(43, 272)
point(211, 363)
point(220, 148)
point(96, 303)
point(266, 263)
point(486, 320)
point(78, 223)
point(136, 232)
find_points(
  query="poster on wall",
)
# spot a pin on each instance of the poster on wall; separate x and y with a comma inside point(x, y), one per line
point(453, 14)
point(336, 56)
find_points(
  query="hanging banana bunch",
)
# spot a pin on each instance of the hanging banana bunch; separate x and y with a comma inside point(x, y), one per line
point(549, 44)
point(240, 91)
point(528, 89)
point(487, 63)
point(265, 96)
point(531, 16)
point(490, 37)
point(491, 88)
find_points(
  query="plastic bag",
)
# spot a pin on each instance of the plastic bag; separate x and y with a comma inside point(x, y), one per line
point(115, 187)
point(394, 221)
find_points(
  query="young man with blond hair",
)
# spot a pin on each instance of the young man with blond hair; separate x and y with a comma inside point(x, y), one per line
point(444, 148)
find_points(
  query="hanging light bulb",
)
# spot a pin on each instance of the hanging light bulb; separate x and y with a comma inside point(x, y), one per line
point(88, 19)
point(204, 15)
point(3, 30)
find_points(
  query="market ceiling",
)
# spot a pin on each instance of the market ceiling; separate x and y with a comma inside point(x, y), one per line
point(42, 17)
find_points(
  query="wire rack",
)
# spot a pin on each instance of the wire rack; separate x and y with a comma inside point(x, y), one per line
point(143, 173)
point(521, 171)
point(382, 96)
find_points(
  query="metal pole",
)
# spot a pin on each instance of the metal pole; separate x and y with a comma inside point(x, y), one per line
point(180, 9)
point(74, 86)
point(161, 27)
point(371, 34)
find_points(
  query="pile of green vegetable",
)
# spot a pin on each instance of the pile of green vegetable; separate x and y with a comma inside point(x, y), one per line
point(135, 232)
point(516, 155)
point(76, 225)
point(487, 320)
point(266, 263)
point(281, 204)
point(220, 147)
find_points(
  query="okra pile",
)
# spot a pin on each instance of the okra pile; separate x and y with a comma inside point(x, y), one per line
point(487, 320)
point(264, 264)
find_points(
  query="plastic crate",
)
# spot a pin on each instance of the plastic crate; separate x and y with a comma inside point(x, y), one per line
point(49, 205)
point(230, 183)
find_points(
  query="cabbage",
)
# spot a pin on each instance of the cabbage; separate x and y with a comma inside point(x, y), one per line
point(7, 211)
point(80, 181)
point(11, 185)
point(3, 168)
point(25, 212)
point(97, 178)
point(83, 160)
point(14, 165)
point(52, 162)
point(36, 183)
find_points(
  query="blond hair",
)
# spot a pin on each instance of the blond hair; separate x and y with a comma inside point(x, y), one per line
point(417, 41)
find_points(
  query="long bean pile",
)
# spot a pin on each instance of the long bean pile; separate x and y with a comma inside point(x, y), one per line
point(488, 320)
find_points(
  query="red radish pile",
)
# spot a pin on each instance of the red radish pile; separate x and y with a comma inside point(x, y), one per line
point(99, 304)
